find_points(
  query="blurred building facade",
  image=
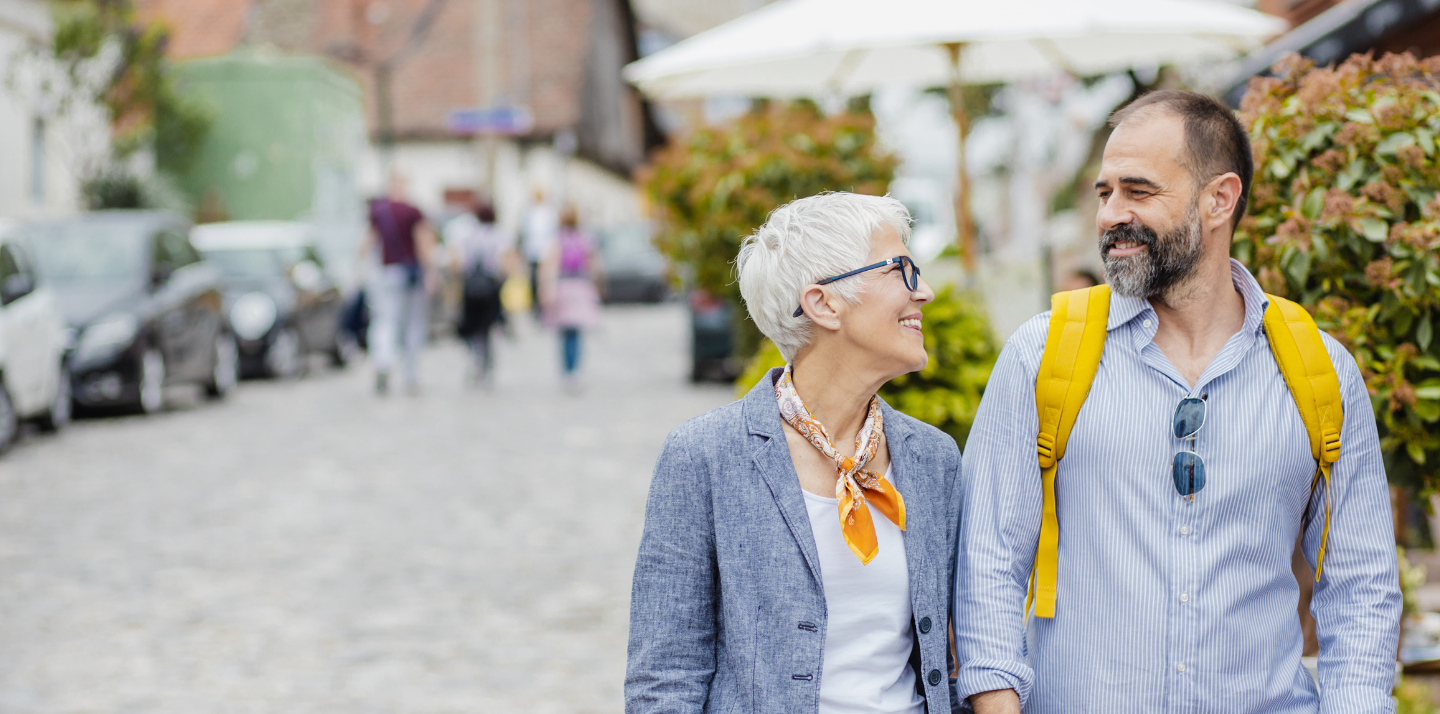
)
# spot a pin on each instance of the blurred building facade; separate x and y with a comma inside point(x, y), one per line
point(36, 180)
point(465, 98)
point(1328, 31)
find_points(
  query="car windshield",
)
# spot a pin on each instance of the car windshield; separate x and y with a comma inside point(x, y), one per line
point(247, 262)
point(90, 250)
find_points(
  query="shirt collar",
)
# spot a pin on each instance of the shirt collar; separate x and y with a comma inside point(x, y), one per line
point(1123, 308)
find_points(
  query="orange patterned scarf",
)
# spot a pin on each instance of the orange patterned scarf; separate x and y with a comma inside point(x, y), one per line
point(852, 480)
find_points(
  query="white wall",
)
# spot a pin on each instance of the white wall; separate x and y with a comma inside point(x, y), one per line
point(25, 30)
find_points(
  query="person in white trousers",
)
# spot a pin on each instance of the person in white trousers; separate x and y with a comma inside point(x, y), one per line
point(400, 290)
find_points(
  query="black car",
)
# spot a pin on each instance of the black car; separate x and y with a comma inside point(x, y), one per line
point(634, 270)
point(281, 303)
point(144, 309)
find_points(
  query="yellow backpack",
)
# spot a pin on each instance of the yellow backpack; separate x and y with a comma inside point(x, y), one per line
point(1072, 356)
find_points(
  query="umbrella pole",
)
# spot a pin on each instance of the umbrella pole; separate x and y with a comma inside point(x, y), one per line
point(964, 222)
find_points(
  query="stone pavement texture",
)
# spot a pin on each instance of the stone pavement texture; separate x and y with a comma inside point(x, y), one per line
point(309, 547)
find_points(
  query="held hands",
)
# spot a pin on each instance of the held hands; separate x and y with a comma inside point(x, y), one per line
point(1000, 701)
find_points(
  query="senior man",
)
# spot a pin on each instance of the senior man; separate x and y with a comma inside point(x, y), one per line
point(1174, 595)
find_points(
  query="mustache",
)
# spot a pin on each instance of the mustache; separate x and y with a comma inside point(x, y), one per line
point(1128, 233)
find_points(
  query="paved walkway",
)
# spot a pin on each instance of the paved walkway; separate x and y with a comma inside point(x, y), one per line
point(308, 547)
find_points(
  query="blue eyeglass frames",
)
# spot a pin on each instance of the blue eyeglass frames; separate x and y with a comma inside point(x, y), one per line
point(908, 271)
point(1189, 468)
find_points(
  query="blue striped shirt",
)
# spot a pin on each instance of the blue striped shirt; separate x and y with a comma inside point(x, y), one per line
point(1167, 605)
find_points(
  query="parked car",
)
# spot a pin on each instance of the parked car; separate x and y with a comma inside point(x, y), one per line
point(34, 376)
point(144, 309)
point(634, 270)
point(281, 302)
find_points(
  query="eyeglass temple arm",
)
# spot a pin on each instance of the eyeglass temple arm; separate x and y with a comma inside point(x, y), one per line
point(888, 261)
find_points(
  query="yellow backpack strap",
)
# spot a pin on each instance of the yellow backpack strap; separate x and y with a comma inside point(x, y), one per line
point(1072, 355)
point(1306, 366)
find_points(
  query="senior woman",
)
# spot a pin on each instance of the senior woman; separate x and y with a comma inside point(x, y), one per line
point(799, 544)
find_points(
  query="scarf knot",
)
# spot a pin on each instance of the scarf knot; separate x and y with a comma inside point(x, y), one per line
point(855, 488)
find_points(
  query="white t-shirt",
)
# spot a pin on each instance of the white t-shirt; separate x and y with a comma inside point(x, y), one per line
point(868, 640)
point(542, 226)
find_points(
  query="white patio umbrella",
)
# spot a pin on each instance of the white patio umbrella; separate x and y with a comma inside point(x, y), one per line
point(810, 48)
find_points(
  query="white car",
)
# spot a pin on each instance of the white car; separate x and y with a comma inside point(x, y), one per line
point(34, 376)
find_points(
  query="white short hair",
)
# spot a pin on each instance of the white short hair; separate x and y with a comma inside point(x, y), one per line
point(807, 240)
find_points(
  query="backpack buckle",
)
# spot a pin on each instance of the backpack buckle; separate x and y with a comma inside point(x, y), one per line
point(1045, 448)
point(1331, 449)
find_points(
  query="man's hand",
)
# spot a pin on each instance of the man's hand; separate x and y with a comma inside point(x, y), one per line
point(1000, 701)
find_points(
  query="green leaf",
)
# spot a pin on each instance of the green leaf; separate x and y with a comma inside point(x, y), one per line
point(1423, 333)
point(1351, 175)
point(1314, 201)
point(1318, 136)
point(1426, 139)
point(1360, 115)
point(1279, 169)
point(1427, 410)
point(1428, 362)
point(1374, 229)
point(1416, 451)
point(1392, 143)
point(1296, 264)
point(1428, 389)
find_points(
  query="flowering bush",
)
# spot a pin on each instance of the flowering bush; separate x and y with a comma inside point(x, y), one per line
point(947, 392)
point(714, 187)
point(1344, 218)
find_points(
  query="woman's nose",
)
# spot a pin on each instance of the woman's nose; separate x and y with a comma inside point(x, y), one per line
point(922, 292)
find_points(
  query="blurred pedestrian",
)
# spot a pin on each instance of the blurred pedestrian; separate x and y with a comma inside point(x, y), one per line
point(799, 544)
point(399, 292)
point(569, 278)
point(541, 228)
point(483, 256)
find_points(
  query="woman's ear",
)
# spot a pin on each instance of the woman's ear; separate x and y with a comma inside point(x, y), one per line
point(820, 307)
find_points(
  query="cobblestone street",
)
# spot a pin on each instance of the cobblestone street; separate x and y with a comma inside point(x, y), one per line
point(309, 547)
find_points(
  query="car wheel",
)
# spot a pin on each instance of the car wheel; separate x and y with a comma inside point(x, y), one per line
point(59, 413)
point(152, 381)
point(284, 360)
point(227, 368)
point(9, 420)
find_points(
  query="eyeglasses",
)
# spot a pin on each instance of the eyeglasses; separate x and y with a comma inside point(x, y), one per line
point(908, 271)
point(1189, 468)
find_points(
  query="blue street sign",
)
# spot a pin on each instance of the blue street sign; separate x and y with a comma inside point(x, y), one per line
point(490, 120)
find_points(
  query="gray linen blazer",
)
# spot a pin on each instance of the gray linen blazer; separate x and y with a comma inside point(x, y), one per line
point(727, 614)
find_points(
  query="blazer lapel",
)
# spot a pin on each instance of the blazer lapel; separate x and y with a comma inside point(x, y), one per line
point(905, 472)
point(771, 455)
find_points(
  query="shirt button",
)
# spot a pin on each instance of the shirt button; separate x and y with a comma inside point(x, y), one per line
point(1146, 324)
point(1184, 530)
point(1184, 597)
point(934, 677)
point(924, 625)
point(1179, 666)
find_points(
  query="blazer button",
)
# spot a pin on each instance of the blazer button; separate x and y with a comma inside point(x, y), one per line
point(934, 677)
point(924, 625)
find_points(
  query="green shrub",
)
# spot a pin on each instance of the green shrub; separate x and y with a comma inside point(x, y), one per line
point(947, 392)
point(715, 186)
point(1344, 219)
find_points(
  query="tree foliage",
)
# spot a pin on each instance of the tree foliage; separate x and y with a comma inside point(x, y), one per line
point(146, 109)
point(1344, 218)
point(714, 187)
point(947, 392)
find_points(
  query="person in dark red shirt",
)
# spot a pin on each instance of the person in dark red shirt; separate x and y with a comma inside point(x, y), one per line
point(401, 286)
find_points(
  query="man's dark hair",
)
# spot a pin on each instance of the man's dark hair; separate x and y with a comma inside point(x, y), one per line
point(1215, 141)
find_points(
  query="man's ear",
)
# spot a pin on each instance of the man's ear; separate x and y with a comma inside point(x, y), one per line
point(821, 307)
point(1222, 200)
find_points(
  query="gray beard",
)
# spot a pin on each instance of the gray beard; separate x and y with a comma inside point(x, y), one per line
point(1167, 261)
